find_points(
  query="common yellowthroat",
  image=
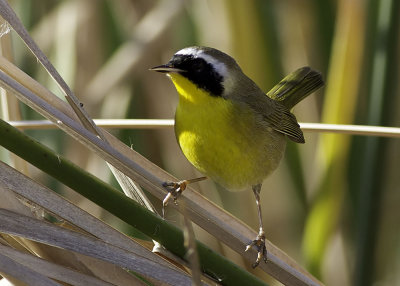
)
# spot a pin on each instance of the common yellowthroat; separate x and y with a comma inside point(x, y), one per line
point(227, 127)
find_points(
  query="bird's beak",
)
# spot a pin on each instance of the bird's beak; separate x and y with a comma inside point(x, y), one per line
point(166, 69)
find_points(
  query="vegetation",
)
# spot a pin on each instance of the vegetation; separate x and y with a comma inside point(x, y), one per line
point(332, 206)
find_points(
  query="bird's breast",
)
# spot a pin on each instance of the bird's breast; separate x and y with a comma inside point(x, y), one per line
point(224, 141)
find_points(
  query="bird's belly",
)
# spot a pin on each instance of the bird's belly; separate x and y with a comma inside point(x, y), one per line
point(231, 150)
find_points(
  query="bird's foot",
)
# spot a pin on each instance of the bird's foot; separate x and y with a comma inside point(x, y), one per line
point(259, 243)
point(174, 189)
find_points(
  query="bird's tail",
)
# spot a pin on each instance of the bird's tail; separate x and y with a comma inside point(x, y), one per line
point(296, 86)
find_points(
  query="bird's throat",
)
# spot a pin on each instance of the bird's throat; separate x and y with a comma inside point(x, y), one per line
point(189, 91)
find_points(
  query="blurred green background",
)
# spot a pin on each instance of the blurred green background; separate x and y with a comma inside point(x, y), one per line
point(333, 204)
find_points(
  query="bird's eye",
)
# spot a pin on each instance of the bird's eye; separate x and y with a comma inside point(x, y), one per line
point(199, 65)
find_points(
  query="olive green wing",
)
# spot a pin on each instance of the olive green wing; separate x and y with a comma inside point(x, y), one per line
point(282, 120)
point(296, 86)
point(286, 94)
point(275, 107)
point(274, 115)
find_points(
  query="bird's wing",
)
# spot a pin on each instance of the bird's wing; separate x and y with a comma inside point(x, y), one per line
point(274, 114)
point(282, 120)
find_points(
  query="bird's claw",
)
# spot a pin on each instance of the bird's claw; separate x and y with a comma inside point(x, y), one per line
point(259, 243)
point(174, 189)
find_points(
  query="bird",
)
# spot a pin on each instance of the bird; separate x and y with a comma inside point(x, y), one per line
point(228, 128)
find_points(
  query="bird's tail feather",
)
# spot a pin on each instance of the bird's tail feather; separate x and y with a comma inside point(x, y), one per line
point(296, 86)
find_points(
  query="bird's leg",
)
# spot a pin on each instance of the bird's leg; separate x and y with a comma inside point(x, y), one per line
point(259, 242)
point(176, 188)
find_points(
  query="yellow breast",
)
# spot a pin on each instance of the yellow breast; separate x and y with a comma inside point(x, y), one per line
point(222, 140)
